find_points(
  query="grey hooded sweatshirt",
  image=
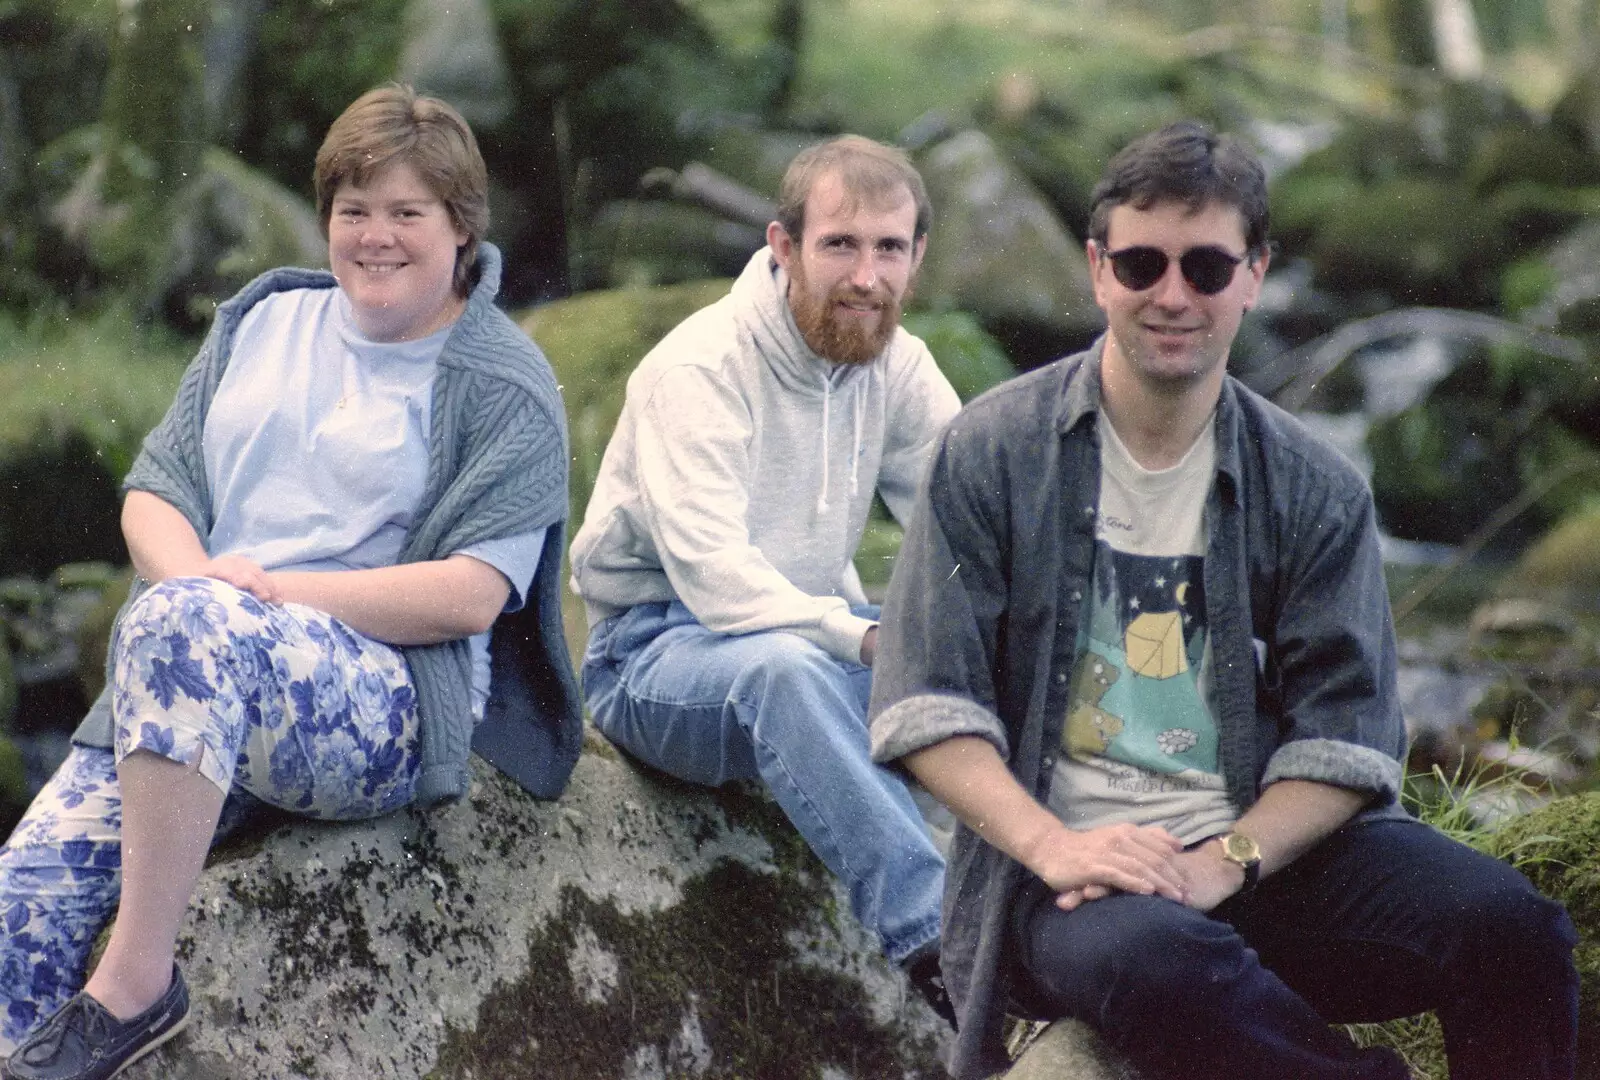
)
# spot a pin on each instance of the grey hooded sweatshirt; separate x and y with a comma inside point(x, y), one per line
point(742, 468)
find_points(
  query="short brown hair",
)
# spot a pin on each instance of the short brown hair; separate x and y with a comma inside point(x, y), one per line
point(396, 124)
point(869, 171)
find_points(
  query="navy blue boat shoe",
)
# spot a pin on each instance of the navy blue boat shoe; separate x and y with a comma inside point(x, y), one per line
point(83, 1041)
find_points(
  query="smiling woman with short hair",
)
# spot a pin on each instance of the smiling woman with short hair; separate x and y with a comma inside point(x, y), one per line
point(360, 472)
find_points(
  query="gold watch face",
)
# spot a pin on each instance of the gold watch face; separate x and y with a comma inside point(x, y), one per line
point(1239, 848)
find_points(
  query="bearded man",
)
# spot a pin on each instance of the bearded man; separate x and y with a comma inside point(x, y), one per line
point(730, 638)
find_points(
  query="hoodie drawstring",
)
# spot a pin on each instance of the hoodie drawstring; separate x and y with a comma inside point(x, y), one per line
point(855, 448)
point(827, 398)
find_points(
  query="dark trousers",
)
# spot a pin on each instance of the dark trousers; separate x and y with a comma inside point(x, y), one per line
point(1385, 918)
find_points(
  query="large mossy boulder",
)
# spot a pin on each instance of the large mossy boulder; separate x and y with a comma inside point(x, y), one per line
point(1558, 846)
point(636, 928)
point(1378, 210)
point(998, 250)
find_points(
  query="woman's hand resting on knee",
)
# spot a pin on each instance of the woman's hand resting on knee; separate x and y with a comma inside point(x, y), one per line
point(243, 575)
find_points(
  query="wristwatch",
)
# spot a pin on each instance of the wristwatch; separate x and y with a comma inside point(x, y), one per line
point(1241, 849)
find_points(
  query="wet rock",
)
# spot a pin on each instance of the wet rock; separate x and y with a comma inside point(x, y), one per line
point(1569, 281)
point(1538, 769)
point(1518, 618)
point(998, 250)
point(637, 927)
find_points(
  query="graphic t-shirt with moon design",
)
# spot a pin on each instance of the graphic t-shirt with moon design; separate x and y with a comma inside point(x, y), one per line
point(1140, 741)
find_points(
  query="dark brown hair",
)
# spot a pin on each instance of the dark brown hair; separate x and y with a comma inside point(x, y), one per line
point(1185, 162)
point(395, 124)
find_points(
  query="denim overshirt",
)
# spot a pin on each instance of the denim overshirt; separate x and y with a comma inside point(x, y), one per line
point(987, 594)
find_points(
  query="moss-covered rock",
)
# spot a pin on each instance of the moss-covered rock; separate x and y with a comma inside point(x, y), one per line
point(1563, 566)
point(1559, 844)
point(637, 927)
point(222, 224)
point(998, 250)
point(1442, 467)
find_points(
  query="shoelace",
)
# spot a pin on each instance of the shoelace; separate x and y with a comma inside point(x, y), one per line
point(94, 1026)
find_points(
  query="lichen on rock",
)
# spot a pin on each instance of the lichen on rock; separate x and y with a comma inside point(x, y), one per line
point(636, 928)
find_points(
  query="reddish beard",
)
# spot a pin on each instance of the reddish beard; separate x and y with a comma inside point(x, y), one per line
point(842, 339)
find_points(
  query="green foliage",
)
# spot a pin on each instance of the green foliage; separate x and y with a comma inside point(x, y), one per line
point(154, 90)
point(1526, 284)
point(76, 398)
point(102, 375)
point(971, 359)
point(312, 58)
point(1504, 418)
point(880, 543)
point(1455, 804)
point(625, 77)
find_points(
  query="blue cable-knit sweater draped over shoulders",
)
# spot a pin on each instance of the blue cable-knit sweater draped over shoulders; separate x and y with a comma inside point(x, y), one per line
point(497, 467)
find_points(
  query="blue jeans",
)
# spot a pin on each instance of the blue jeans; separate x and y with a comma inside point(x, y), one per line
point(1385, 918)
point(710, 708)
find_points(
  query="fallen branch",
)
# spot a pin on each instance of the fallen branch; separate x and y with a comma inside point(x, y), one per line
point(1289, 379)
point(706, 188)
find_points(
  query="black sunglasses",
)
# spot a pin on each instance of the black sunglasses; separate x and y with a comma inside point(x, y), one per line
point(1208, 269)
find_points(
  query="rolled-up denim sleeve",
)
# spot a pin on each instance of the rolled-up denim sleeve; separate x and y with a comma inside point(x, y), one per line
point(933, 675)
point(1335, 653)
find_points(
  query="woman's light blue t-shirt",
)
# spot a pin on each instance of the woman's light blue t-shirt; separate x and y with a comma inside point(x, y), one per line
point(316, 449)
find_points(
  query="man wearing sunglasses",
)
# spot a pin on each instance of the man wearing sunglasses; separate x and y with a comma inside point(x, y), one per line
point(1140, 644)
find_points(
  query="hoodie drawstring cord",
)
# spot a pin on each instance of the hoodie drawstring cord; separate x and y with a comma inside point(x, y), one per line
point(827, 398)
point(855, 450)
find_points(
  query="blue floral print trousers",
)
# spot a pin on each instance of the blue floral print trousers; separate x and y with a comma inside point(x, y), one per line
point(281, 705)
